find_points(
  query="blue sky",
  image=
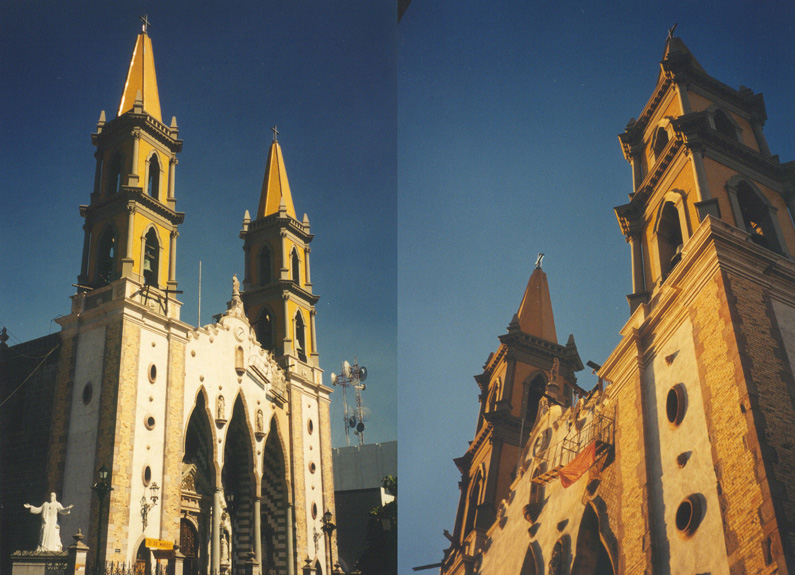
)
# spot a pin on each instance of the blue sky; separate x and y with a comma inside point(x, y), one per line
point(325, 74)
point(508, 114)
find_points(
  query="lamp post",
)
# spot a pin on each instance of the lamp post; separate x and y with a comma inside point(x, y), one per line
point(145, 507)
point(102, 488)
point(328, 529)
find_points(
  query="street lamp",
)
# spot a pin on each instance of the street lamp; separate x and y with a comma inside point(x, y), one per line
point(145, 507)
point(328, 529)
point(102, 489)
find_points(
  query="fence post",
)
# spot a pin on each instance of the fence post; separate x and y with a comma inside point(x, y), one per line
point(76, 562)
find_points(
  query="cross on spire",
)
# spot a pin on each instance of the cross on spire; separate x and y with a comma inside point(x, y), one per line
point(145, 20)
point(538, 260)
point(275, 133)
point(671, 31)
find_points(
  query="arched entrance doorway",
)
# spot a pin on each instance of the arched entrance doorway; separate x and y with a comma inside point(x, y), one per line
point(198, 477)
point(591, 556)
point(238, 480)
point(273, 506)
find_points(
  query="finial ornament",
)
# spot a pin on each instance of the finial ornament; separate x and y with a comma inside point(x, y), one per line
point(145, 20)
point(538, 261)
point(275, 133)
point(671, 31)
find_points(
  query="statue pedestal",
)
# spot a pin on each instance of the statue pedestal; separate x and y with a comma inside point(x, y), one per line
point(38, 562)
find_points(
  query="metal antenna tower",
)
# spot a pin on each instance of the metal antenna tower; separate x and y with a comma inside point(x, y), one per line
point(352, 376)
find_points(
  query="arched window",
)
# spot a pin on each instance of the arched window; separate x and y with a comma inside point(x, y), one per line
point(660, 141)
point(533, 392)
point(472, 504)
point(529, 564)
point(153, 185)
point(264, 329)
point(151, 263)
point(300, 339)
point(723, 125)
point(114, 174)
point(756, 217)
point(669, 238)
point(296, 263)
point(265, 266)
point(106, 256)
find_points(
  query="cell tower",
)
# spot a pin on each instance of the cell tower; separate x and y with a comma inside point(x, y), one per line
point(352, 376)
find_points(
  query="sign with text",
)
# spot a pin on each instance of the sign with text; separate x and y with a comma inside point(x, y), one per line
point(158, 544)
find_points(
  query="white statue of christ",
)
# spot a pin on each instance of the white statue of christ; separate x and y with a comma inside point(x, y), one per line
point(50, 530)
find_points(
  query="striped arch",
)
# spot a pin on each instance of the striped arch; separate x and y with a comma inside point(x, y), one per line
point(202, 411)
point(239, 480)
point(274, 502)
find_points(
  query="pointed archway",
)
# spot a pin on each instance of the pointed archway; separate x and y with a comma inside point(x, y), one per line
point(198, 479)
point(591, 557)
point(238, 485)
point(273, 504)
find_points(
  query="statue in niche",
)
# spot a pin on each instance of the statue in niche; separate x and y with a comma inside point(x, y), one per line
point(221, 407)
point(259, 421)
point(50, 530)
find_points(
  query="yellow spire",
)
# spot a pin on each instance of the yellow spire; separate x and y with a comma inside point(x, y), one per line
point(535, 312)
point(275, 187)
point(141, 80)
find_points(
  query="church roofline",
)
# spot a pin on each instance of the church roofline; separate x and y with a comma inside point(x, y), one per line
point(123, 123)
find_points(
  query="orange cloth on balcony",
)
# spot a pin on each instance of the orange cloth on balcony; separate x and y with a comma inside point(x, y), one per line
point(579, 465)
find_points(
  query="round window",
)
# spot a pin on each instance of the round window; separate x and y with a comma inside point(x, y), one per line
point(152, 373)
point(147, 475)
point(688, 515)
point(312, 467)
point(675, 404)
point(310, 426)
point(314, 511)
point(88, 392)
point(149, 421)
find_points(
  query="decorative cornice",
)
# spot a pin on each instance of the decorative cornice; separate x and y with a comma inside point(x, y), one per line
point(274, 221)
point(137, 121)
point(132, 194)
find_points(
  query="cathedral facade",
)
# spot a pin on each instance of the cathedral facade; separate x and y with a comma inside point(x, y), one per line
point(216, 438)
point(681, 459)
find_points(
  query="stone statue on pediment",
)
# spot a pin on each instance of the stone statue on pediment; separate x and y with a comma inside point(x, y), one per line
point(50, 530)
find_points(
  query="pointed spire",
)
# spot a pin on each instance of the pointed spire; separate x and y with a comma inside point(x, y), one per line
point(535, 313)
point(276, 196)
point(675, 48)
point(141, 80)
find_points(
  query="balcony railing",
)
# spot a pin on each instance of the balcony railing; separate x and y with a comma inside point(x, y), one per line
point(599, 431)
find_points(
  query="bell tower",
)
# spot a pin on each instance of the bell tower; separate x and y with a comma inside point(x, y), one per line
point(528, 369)
point(697, 150)
point(131, 222)
point(278, 287)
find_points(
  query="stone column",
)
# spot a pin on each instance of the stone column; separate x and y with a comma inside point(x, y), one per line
point(288, 326)
point(308, 281)
point(638, 280)
point(76, 562)
point(284, 269)
point(127, 262)
point(637, 170)
point(290, 542)
point(312, 314)
point(702, 189)
point(215, 541)
point(133, 178)
point(172, 165)
point(86, 244)
point(97, 173)
point(172, 259)
point(258, 533)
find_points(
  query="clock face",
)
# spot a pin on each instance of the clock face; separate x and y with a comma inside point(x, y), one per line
point(239, 333)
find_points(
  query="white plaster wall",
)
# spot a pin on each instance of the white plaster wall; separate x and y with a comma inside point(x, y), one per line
point(705, 551)
point(82, 439)
point(560, 516)
point(210, 363)
point(148, 444)
point(313, 482)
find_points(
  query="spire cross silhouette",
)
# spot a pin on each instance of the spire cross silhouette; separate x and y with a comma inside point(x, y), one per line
point(671, 31)
point(275, 133)
point(145, 20)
